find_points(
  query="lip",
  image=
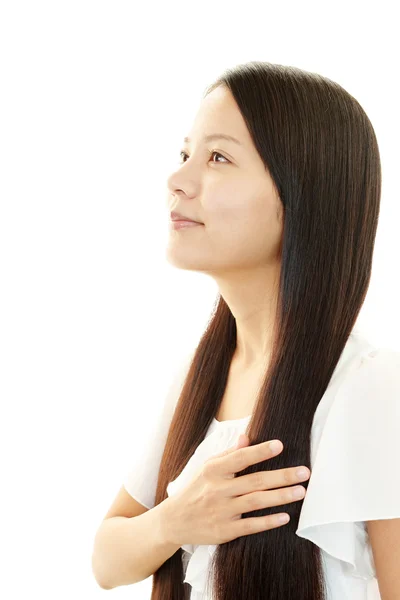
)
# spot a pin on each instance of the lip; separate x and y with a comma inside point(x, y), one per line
point(183, 224)
point(175, 216)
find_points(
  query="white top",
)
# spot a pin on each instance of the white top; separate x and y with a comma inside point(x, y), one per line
point(355, 475)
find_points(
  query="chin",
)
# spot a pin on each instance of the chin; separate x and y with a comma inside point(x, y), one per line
point(181, 260)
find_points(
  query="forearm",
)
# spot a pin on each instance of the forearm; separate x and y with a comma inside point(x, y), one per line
point(128, 550)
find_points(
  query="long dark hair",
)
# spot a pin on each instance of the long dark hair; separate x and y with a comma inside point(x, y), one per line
point(321, 151)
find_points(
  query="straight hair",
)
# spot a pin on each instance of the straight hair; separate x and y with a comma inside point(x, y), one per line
point(321, 152)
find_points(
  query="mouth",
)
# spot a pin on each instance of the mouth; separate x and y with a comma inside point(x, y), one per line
point(184, 224)
point(185, 221)
point(175, 216)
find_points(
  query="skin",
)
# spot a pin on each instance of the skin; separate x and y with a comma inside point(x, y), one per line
point(239, 241)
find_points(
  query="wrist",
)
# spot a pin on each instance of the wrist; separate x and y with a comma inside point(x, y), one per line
point(164, 530)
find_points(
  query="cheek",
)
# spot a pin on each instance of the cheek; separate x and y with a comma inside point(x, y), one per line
point(250, 236)
point(229, 215)
point(239, 239)
point(226, 201)
point(237, 218)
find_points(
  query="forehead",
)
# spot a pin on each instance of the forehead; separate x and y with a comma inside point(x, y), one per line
point(219, 113)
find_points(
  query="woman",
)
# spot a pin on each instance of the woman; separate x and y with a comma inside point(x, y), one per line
point(286, 221)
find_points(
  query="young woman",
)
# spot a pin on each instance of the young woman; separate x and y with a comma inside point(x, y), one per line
point(281, 174)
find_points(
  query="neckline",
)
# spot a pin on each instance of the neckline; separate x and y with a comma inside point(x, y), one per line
point(231, 420)
point(356, 331)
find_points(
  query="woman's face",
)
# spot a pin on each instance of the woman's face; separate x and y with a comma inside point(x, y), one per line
point(231, 193)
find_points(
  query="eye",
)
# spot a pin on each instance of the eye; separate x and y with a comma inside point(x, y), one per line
point(211, 154)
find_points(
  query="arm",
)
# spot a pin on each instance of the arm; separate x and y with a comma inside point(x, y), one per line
point(384, 535)
point(130, 549)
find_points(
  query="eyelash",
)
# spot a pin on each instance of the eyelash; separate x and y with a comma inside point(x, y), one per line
point(211, 153)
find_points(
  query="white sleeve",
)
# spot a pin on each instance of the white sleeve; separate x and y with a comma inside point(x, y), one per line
point(141, 479)
point(356, 472)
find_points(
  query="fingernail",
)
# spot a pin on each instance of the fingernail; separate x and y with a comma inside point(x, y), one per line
point(275, 445)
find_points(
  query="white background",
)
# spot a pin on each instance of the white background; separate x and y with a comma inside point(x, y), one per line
point(95, 100)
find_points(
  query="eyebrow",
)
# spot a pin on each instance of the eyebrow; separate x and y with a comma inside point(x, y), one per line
point(217, 136)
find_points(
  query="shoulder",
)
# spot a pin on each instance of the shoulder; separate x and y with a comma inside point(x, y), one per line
point(375, 379)
point(354, 467)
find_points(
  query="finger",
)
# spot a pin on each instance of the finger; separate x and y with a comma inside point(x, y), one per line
point(251, 525)
point(266, 499)
point(265, 480)
point(241, 443)
point(234, 462)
